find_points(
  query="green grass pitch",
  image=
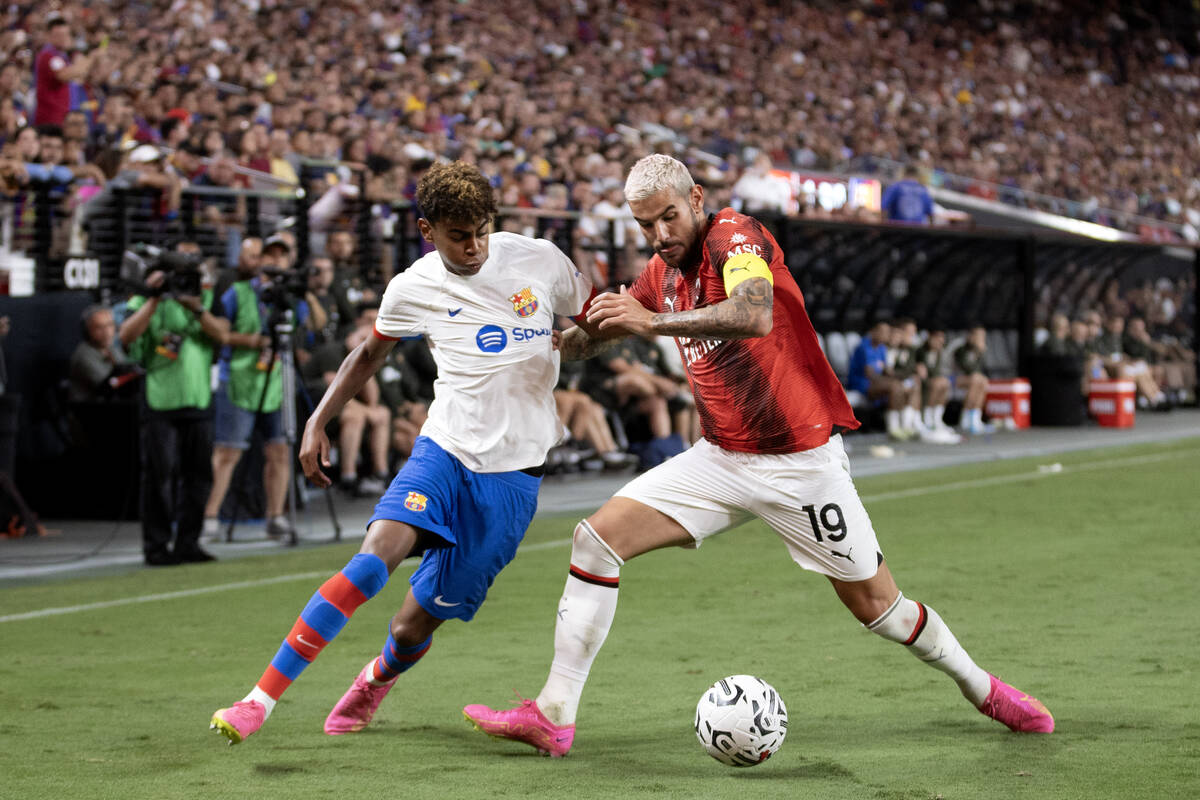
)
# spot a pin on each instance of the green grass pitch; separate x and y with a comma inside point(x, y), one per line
point(1077, 586)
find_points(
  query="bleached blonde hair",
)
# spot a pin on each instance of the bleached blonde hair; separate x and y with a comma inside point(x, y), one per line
point(653, 174)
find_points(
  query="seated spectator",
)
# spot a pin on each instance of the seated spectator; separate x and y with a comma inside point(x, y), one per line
point(1079, 345)
point(585, 420)
point(968, 363)
point(367, 411)
point(620, 380)
point(401, 386)
point(1058, 341)
point(869, 375)
point(1174, 366)
point(1110, 345)
point(930, 359)
point(98, 366)
point(912, 374)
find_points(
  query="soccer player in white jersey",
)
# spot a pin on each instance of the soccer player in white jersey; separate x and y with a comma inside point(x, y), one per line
point(486, 303)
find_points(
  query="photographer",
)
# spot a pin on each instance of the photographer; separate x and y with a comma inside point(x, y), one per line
point(250, 393)
point(171, 332)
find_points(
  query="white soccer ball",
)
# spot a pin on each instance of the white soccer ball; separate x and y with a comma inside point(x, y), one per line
point(741, 720)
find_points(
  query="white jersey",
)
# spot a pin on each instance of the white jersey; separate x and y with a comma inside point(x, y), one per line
point(489, 333)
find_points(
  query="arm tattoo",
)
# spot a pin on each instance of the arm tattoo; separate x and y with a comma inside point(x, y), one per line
point(577, 345)
point(745, 315)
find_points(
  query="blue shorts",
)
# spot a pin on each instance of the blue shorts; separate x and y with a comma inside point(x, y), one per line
point(480, 516)
point(234, 424)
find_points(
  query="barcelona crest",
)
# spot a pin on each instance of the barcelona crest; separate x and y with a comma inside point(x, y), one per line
point(416, 502)
point(524, 303)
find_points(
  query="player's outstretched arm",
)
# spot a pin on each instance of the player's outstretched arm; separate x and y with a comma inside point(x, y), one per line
point(354, 373)
point(577, 344)
point(745, 314)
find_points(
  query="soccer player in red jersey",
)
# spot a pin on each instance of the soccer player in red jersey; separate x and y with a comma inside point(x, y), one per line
point(772, 411)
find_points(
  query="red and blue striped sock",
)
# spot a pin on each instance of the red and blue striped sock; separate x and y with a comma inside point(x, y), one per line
point(322, 619)
point(396, 659)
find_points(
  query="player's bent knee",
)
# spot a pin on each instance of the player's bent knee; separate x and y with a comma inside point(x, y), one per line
point(390, 540)
point(590, 553)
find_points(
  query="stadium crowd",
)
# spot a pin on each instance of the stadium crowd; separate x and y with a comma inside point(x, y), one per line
point(1092, 104)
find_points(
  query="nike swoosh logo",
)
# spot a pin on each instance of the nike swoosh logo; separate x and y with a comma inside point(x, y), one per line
point(438, 601)
point(740, 269)
point(454, 312)
point(305, 642)
point(727, 219)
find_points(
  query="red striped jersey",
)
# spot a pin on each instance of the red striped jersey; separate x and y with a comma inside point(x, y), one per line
point(772, 394)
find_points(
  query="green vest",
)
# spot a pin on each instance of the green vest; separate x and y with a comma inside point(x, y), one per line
point(247, 376)
point(176, 354)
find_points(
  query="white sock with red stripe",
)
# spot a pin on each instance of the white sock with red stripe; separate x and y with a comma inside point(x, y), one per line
point(585, 613)
point(919, 628)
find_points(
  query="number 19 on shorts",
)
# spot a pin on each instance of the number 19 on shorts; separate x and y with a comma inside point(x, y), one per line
point(829, 518)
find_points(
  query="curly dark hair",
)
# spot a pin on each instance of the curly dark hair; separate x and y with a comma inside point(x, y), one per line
point(457, 192)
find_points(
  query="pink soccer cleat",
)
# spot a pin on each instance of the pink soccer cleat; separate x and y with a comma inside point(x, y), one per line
point(357, 706)
point(1017, 710)
point(525, 723)
point(239, 720)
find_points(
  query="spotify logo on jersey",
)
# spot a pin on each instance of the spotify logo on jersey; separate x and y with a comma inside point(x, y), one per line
point(491, 339)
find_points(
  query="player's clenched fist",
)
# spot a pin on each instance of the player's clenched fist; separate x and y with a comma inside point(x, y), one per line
point(621, 311)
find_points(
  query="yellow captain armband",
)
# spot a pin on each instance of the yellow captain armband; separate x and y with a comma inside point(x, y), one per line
point(744, 266)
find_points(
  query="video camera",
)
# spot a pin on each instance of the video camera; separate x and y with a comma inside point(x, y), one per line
point(286, 286)
point(184, 271)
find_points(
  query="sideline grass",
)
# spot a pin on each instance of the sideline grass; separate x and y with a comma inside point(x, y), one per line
point(1075, 586)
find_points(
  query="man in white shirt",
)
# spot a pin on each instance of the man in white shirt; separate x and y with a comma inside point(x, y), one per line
point(486, 305)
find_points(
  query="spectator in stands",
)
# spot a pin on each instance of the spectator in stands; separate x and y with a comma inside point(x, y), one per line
point(930, 358)
point(98, 363)
point(757, 191)
point(364, 413)
point(869, 375)
point(972, 379)
point(908, 200)
point(173, 338)
point(55, 70)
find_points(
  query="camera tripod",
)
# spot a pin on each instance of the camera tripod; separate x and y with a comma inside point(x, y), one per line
point(282, 327)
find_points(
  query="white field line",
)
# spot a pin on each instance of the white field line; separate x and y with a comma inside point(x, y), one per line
point(920, 491)
point(223, 587)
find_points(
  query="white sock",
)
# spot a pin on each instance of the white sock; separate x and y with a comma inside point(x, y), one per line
point(262, 697)
point(585, 613)
point(893, 420)
point(909, 418)
point(919, 628)
point(939, 413)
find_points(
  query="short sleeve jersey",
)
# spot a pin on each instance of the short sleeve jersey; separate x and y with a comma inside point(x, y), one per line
point(771, 394)
point(53, 95)
point(490, 334)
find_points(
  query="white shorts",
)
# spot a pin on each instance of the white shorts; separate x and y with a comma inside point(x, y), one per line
point(807, 498)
